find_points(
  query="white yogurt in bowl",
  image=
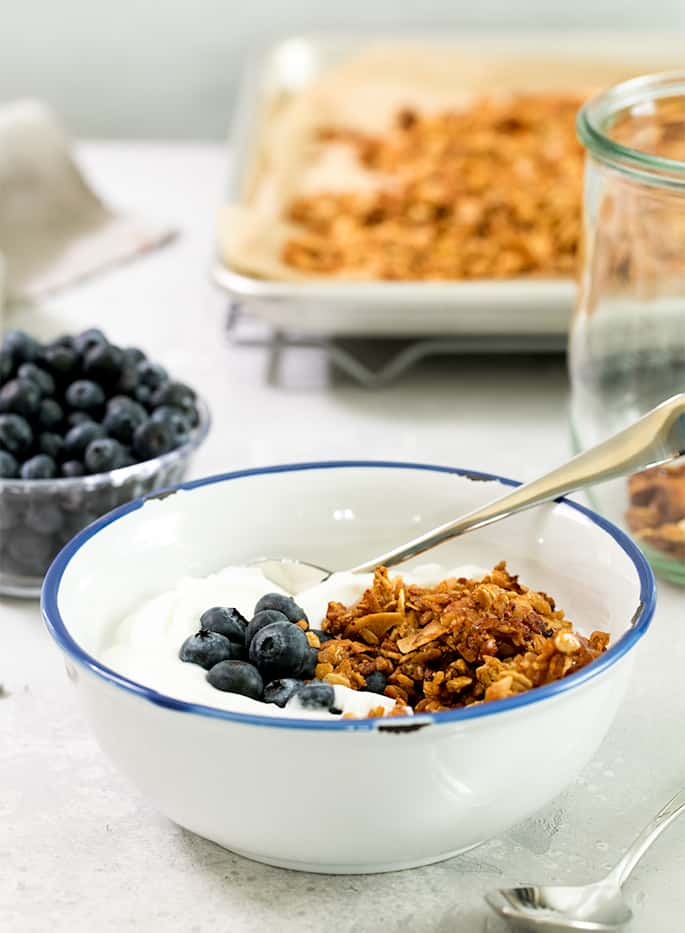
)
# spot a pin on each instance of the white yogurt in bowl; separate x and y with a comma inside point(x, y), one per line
point(144, 646)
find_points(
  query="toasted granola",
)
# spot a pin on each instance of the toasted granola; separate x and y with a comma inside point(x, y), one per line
point(656, 514)
point(455, 644)
point(490, 191)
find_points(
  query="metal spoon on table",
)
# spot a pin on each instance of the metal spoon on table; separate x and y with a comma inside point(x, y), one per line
point(599, 906)
point(656, 438)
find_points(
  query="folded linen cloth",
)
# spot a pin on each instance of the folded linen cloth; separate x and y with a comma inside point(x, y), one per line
point(54, 230)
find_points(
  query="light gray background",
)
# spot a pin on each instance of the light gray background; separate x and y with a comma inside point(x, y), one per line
point(167, 68)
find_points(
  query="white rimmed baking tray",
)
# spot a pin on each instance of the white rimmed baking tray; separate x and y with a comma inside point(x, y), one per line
point(506, 310)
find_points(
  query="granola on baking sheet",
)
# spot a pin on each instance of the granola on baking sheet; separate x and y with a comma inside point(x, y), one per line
point(457, 643)
point(492, 190)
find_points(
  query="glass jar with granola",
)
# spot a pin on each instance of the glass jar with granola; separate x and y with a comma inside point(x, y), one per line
point(627, 340)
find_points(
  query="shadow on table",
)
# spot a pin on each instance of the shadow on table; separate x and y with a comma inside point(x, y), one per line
point(441, 898)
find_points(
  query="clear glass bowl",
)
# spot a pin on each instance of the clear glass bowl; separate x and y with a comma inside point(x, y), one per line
point(38, 517)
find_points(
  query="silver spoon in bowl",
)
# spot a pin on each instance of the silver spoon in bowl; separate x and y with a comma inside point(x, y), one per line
point(656, 438)
point(599, 906)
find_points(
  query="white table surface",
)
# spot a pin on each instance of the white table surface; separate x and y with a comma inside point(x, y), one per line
point(81, 850)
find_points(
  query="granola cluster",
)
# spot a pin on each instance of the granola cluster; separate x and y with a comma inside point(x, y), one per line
point(457, 643)
point(656, 514)
point(491, 191)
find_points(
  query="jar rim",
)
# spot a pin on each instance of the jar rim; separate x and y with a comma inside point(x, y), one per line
point(594, 116)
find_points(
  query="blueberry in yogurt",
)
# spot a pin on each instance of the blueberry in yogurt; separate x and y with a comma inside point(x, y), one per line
point(237, 677)
point(227, 621)
point(209, 648)
point(279, 650)
point(316, 695)
point(282, 603)
point(308, 666)
point(279, 691)
point(376, 682)
point(259, 620)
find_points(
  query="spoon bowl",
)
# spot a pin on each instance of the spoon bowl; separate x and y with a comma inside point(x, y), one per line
point(598, 906)
point(560, 908)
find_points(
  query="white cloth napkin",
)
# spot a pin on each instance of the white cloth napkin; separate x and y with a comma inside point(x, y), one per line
point(54, 230)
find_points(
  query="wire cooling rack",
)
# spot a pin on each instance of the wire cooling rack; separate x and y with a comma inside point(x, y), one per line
point(374, 362)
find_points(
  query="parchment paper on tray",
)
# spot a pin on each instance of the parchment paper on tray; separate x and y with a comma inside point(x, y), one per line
point(363, 94)
point(54, 230)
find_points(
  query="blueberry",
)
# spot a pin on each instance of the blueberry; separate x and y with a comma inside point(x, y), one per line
point(16, 435)
point(127, 459)
point(279, 650)
point(176, 420)
point(20, 346)
point(85, 395)
point(280, 691)
point(6, 365)
point(103, 454)
point(121, 400)
point(73, 468)
point(39, 467)
point(41, 377)
point(11, 513)
point(66, 340)
point(207, 649)
point(103, 364)
point(152, 439)
point(45, 518)
point(128, 379)
point(9, 468)
point(20, 396)
point(29, 554)
point(88, 339)
point(133, 356)
point(284, 604)
point(259, 620)
point(376, 682)
point(51, 444)
point(79, 437)
point(50, 414)
point(121, 422)
point(237, 677)
point(78, 417)
point(177, 394)
point(142, 394)
point(61, 360)
point(308, 668)
point(316, 695)
point(152, 375)
point(322, 636)
point(227, 621)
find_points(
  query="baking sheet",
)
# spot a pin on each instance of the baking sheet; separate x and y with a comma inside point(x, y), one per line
point(287, 93)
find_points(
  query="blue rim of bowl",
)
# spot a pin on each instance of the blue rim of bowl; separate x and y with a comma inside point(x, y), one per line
point(57, 628)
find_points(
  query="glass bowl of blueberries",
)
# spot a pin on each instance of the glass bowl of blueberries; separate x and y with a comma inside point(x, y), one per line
point(85, 426)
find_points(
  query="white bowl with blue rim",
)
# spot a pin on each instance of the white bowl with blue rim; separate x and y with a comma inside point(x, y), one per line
point(346, 795)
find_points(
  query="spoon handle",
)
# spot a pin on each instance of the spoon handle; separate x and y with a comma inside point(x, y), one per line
point(621, 872)
point(657, 437)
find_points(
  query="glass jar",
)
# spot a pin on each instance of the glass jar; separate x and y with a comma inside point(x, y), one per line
point(627, 338)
